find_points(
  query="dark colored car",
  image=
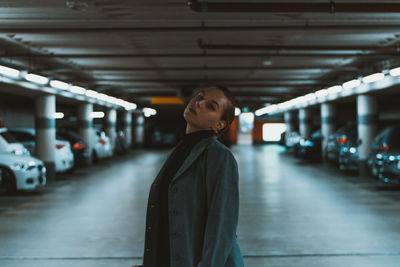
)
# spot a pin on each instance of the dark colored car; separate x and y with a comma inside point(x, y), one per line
point(121, 146)
point(348, 151)
point(384, 160)
point(337, 140)
point(311, 148)
point(78, 146)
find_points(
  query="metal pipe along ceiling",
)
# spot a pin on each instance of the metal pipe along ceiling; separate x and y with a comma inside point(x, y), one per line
point(329, 7)
point(390, 49)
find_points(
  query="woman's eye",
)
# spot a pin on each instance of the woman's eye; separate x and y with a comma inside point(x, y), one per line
point(211, 107)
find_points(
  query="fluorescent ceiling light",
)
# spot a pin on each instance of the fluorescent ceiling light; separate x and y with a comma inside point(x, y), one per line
point(77, 90)
point(266, 110)
point(91, 93)
point(149, 112)
point(9, 72)
point(103, 97)
point(36, 78)
point(310, 97)
point(335, 89)
point(351, 84)
point(395, 72)
point(373, 78)
point(59, 84)
point(237, 111)
point(321, 93)
point(58, 115)
point(97, 114)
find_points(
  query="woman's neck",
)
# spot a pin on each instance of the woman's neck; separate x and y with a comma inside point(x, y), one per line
point(191, 129)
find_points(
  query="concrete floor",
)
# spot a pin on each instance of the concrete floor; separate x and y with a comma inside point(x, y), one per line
point(291, 214)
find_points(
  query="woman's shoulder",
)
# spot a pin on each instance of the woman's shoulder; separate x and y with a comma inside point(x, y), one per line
point(216, 148)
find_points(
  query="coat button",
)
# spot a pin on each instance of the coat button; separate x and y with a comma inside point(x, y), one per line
point(147, 250)
point(149, 228)
point(178, 257)
point(175, 189)
point(175, 212)
point(152, 206)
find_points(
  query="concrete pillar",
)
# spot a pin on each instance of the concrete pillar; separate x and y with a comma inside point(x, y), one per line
point(367, 119)
point(46, 133)
point(139, 129)
point(328, 116)
point(290, 122)
point(85, 125)
point(110, 121)
point(305, 122)
point(127, 128)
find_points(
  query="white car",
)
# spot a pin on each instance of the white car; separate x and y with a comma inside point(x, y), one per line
point(101, 146)
point(21, 172)
point(8, 143)
point(64, 156)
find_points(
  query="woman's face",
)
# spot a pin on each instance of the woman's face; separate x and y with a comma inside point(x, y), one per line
point(205, 110)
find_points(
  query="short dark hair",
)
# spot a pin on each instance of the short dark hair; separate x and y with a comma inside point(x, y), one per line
point(229, 113)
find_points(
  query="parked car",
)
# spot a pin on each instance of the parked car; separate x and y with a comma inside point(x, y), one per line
point(348, 150)
point(79, 147)
point(102, 146)
point(337, 140)
point(120, 143)
point(64, 157)
point(292, 140)
point(384, 161)
point(21, 172)
point(8, 143)
point(311, 148)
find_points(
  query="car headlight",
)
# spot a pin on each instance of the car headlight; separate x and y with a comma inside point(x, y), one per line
point(17, 151)
point(352, 150)
point(19, 166)
point(392, 158)
point(309, 143)
point(379, 156)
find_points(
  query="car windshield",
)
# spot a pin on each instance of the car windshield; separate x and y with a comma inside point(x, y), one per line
point(9, 137)
point(393, 139)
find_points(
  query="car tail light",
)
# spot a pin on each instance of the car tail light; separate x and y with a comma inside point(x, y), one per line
point(58, 146)
point(78, 146)
point(385, 146)
point(102, 141)
point(121, 137)
point(342, 140)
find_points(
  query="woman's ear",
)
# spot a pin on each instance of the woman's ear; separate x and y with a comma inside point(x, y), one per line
point(220, 125)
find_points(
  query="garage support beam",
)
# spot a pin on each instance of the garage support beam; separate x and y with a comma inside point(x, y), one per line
point(127, 128)
point(110, 121)
point(367, 118)
point(290, 121)
point(139, 130)
point(85, 125)
point(305, 121)
point(45, 126)
point(328, 125)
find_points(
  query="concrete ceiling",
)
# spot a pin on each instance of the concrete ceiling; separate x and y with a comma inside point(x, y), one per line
point(137, 49)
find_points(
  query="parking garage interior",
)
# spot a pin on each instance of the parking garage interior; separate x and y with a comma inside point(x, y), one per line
point(92, 96)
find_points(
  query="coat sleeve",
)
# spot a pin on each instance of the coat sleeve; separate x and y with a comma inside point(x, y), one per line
point(223, 207)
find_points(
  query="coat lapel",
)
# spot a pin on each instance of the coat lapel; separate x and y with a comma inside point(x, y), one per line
point(193, 155)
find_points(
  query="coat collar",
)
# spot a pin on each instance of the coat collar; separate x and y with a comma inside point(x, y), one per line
point(193, 155)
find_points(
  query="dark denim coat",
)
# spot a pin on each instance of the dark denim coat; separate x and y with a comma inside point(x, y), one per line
point(203, 205)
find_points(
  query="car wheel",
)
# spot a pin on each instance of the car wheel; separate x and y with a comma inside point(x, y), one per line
point(374, 170)
point(8, 181)
point(95, 158)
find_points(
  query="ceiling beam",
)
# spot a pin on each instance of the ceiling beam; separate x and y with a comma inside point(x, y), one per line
point(287, 7)
point(197, 55)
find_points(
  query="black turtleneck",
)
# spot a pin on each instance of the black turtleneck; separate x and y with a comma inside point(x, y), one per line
point(173, 163)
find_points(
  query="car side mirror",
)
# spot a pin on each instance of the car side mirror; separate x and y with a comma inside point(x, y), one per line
point(359, 142)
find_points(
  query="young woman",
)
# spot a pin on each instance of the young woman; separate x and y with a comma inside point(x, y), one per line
point(193, 205)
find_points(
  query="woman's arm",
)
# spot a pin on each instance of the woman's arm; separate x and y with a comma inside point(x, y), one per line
point(223, 207)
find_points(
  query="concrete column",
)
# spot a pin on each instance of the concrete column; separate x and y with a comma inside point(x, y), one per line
point(110, 121)
point(85, 125)
point(305, 122)
point(367, 118)
point(46, 133)
point(139, 129)
point(127, 128)
point(328, 116)
point(290, 122)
